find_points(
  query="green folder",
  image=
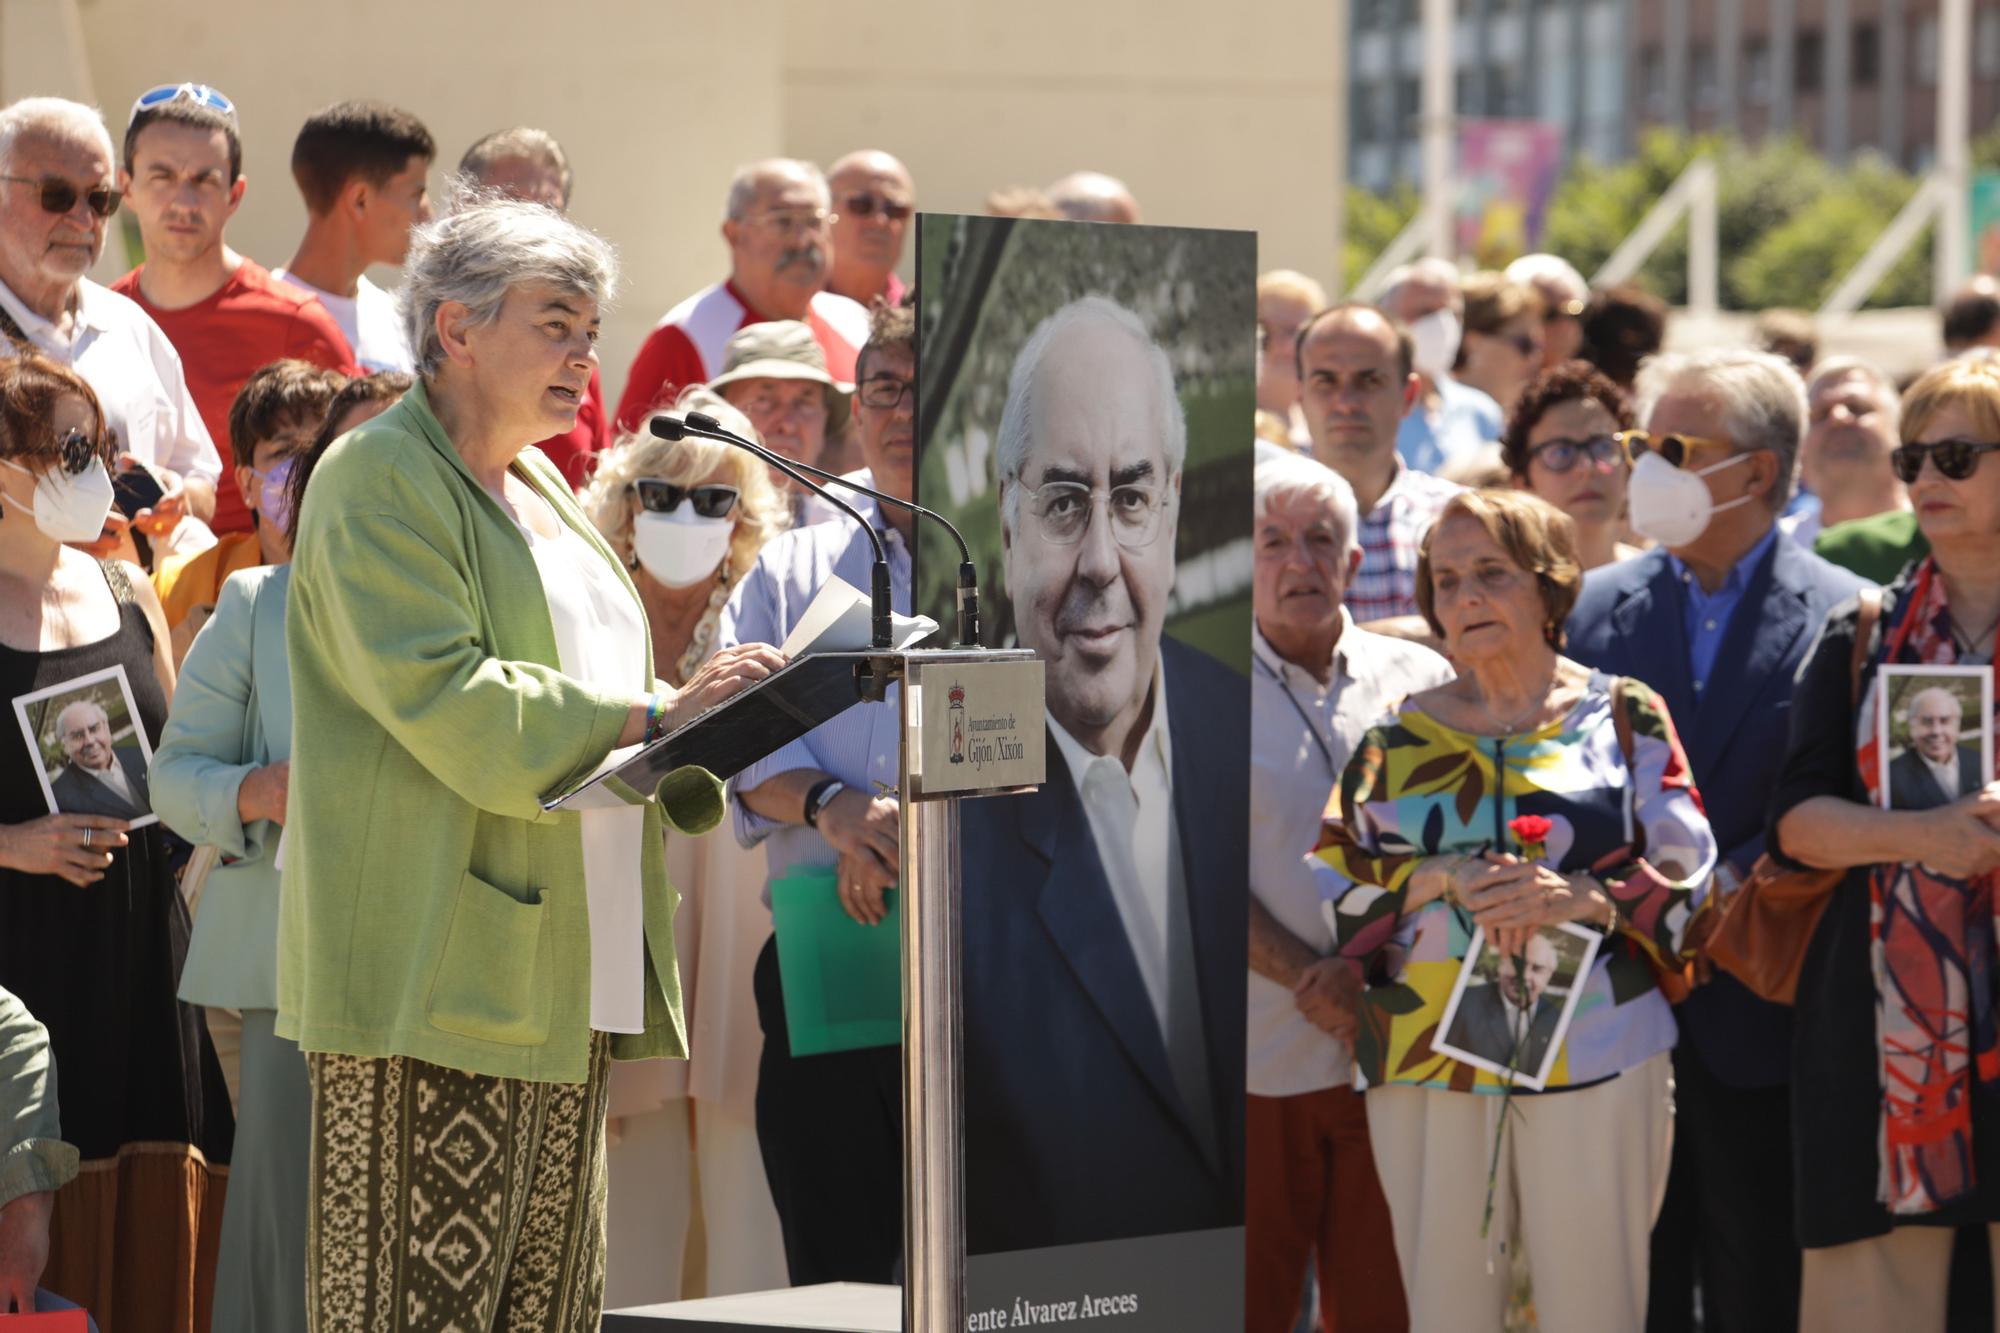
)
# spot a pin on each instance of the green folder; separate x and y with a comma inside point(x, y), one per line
point(843, 981)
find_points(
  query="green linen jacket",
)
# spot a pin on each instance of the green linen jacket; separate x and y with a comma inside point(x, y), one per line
point(33, 1157)
point(429, 906)
point(232, 715)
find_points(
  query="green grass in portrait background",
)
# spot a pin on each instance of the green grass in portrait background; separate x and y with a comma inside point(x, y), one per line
point(983, 285)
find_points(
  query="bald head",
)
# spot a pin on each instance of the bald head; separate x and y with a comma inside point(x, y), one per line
point(1935, 718)
point(873, 197)
point(1092, 196)
point(85, 732)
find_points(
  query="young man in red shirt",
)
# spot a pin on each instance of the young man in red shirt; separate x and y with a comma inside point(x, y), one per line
point(224, 313)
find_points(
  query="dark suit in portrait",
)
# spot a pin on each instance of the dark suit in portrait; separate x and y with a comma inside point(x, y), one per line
point(78, 793)
point(1484, 1025)
point(1913, 786)
point(1076, 1129)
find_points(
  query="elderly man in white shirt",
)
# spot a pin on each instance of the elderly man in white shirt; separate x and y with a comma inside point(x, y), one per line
point(58, 190)
point(1318, 683)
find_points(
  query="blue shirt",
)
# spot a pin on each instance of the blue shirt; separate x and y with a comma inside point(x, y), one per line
point(1466, 419)
point(860, 747)
point(1706, 614)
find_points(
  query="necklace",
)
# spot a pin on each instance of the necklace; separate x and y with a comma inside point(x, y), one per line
point(703, 636)
point(1508, 728)
point(1967, 642)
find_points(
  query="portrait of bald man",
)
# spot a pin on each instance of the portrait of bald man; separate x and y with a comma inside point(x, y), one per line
point(1511, 1020)
point(1106, 913)
point(97, 777)
point(1936, 769)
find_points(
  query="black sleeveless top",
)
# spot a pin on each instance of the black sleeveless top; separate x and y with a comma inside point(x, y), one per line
point(99, 966)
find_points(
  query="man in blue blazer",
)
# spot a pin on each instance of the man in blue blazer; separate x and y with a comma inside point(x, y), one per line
point(1717, 620)
point(1106, 917)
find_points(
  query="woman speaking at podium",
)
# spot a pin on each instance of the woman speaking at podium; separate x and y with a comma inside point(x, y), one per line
point(458, 965)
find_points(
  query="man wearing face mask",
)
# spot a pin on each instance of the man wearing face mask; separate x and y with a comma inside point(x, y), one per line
point(273, 418)
point(1450, 420)
point(778, 226)
point(1717, 618)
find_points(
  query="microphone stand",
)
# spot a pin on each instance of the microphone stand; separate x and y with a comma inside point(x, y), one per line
point(673, 428)
point(700, 423)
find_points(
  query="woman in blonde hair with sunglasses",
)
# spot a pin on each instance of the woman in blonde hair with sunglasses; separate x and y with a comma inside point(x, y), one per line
point(688, 518)
point(1896, 1060)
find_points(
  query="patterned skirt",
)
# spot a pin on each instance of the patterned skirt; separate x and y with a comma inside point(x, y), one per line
point(445, 1201)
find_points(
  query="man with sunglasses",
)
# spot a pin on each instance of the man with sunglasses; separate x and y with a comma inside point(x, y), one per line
point(1716, 618)
point(58, 190)
point(778, 228)
point(830, 1126)
point(873, 198)
point(225, 314)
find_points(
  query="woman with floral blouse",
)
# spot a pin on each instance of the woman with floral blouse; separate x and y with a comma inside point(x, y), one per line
point(1430, 846)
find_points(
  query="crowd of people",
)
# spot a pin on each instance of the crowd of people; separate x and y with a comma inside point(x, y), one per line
point(1511, 558)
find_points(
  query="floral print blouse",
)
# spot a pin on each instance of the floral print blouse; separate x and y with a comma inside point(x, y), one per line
point(1416, 787)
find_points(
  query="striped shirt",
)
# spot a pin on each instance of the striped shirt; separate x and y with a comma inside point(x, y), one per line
point(1391, 532)
point(860, 746)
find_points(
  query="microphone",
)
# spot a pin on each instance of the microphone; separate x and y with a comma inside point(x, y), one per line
point(700, 423)
point(673, 428)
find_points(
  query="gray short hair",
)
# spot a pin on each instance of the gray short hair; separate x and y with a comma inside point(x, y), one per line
point(56, 118)
point(1438, 270)
point(522, 141)
point(1297, 474)
point(743, 185)
point(1840, 367)
point(473, 254)
point(1533, 270)
point(1761, 398)
point(1012, 442)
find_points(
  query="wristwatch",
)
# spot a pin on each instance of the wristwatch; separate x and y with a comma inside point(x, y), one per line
point(822, 792)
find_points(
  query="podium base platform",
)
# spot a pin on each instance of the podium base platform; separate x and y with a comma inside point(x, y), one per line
point(833, 1307)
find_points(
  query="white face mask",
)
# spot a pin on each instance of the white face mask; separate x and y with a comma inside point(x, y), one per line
point(1669, 505)
point(1434, 342)
point(68, 507)
point(681, 548)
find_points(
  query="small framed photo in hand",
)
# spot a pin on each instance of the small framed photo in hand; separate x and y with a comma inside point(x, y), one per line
point(89, 750)
point(1933, 734)
point(1511, 1013)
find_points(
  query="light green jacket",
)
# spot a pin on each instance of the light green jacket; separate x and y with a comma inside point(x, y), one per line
point(430, 908)
point(232, 715)
point(33, 1157)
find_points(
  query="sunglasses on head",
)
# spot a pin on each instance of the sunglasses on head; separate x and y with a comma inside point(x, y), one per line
point(1560, 455)
point(59, 196)
point(78, 448)
point(868, 205)
point(1955, 460)
point(198, 93)
point(664, 497)
point(1673, 449)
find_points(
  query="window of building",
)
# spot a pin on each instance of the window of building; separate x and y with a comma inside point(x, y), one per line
point(1653, 81)
point(1986, 44)
point(1867, 54)
point(1368, 113)
point(1809, 55)
point(1409, 101)
point(1701, 72)
point(1924, 52)
point(1757, 71)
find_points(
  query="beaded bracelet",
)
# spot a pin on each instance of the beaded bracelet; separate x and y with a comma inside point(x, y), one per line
point(656, 718)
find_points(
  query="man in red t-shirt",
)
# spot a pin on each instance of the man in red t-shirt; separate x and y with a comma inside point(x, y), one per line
point(528, 164)
point(225, 314)
point(777, 228)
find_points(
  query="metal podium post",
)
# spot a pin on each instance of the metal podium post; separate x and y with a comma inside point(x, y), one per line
point(972, 726)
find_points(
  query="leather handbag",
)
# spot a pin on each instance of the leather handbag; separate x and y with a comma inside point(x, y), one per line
point(1767, 924)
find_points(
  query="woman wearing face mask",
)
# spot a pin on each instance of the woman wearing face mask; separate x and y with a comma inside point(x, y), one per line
point(1562, 443)
point(689, 517)
point(276, 413)
point(92, 928)
point(1894, 1100)
point(1429, 846)
point(220, 778)
point(1501, 349)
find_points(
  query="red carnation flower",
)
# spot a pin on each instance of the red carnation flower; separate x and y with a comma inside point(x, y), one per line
point(1532, 830)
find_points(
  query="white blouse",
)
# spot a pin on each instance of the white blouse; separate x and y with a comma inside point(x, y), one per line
point(601, 638)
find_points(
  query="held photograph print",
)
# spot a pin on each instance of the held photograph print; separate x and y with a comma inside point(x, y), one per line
point(1512, 1012)
point(1933, 741)
point(90, 755)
